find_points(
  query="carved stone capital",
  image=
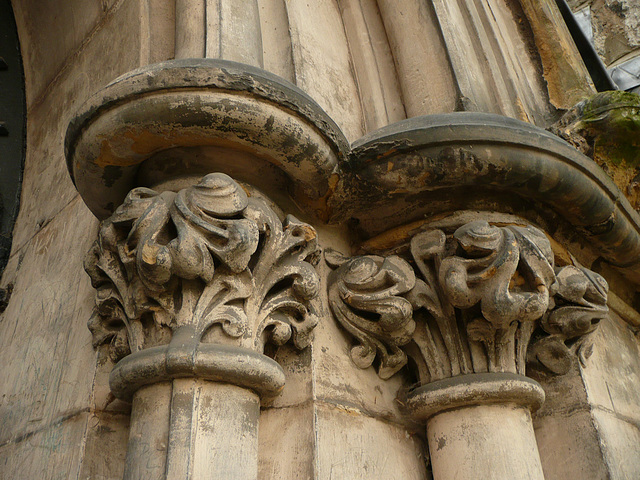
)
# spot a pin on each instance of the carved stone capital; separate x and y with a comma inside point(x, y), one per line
point(178, 275)
point(485, 299)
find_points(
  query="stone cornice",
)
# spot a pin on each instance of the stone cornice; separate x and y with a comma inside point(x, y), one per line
point(202, 103)
point(430, 165)
point(172, 119)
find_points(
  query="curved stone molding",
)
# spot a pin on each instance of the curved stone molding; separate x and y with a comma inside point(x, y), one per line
point(442, 163)
point(190, 117)
point(195, 111)
point(477, 299)
point(173, 265)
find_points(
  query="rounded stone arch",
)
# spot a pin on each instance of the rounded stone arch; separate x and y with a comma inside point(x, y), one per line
point(12, 127)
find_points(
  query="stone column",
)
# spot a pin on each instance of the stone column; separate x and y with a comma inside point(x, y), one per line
point(470, 309)
point(224, 29)
point(191, 286)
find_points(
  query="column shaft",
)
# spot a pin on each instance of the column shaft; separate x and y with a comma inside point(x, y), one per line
point(193, 429)
point(489, 442)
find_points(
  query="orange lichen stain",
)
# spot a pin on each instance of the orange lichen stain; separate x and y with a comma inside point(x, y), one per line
point(517, 280)
point(389, 166)
point(567, 79)
point(309, 232)
point(145, 142)
point(560, 253)
point(136, 144)
point(321, 205)
point(392, 238)
point(108, 158)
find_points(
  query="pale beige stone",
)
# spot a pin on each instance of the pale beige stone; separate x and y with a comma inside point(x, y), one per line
point(354, 446)
point(619, 439)
point(106, 446)
point(315, 26)
point(373, 63)
point(569, 445)
point(426, 80)
point(46, 184)
point(47, 354)
point(54, 452)
point(492, 442)
point(612, 374)
point(149, 433)
point(276, 42)
point(287, 443)
point(63, 23)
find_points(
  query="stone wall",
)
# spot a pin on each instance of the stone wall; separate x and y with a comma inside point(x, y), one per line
point(51, 417)
point(58, 418)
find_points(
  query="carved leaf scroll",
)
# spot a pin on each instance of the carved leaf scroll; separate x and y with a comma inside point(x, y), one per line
point(581, 303)
point(206, 255)
point(364, 295)
point(473, 307)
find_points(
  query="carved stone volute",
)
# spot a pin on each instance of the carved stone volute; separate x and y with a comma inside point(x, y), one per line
point(484, 300)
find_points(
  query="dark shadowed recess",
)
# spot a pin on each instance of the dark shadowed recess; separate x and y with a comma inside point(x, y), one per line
point(12, 127)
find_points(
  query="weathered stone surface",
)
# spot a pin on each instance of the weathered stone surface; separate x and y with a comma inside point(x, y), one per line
point(428, 166)
point(615, 27)
point(48, 357)
point(206, 256)
point(619, 439)
point(316, 26)
point(228, 29)
point(53, 453)
point(46, 184)
point(168, 108)
point(567, 78)
point(56, 22)
point(611, 375)
point(496, 40)
point(352, 445)
point(472, 307)
point(318, 429)
point(191, 287)
point(569, 445)
point(287, 443)
point(106, 446)
point(606, 127)
point(491, 442)
point(336, 379)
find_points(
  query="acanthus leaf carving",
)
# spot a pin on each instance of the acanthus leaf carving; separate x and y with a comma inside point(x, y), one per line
point(580, 305)
point(477, 297)
point(365, 296)
point(207, 255)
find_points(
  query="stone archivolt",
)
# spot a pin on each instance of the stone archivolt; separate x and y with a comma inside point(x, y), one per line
point(487, 299)
point(183, 262)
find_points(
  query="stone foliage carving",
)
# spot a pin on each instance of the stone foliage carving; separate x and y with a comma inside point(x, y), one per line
point(372, 308)
point(486, 299)
point(207, 255)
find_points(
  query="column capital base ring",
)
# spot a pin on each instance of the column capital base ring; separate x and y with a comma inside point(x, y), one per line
point(221, 363)
point(462, 391)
